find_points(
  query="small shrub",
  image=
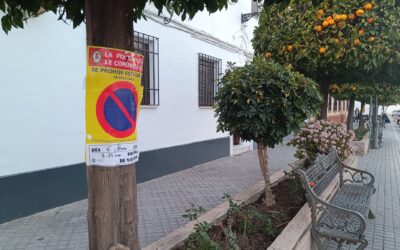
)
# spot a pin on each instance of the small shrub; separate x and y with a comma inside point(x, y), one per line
point(256, 223)
point(232, 238)
point(359, 133)
point(199, 238)
point(193, 213)
point(248, 220)
point(318, 137)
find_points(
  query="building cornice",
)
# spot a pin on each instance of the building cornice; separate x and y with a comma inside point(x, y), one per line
point(196, 33)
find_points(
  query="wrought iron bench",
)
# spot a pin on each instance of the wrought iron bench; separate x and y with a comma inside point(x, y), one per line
point(343, 218)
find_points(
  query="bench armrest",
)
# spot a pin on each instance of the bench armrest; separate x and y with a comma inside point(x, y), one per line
point(358, 176)
point(340, 219)
point(337, 218)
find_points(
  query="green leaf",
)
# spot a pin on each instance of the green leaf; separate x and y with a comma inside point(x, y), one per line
point(3, 5)
point(6, 24)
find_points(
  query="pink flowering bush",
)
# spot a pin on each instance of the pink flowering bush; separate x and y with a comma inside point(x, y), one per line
point(319, 137)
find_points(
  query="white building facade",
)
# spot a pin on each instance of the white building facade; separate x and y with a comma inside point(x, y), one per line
point(42, 102)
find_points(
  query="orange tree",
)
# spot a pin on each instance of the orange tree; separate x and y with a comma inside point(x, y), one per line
point(387, 94)
point(263, 102)
point(332, 42)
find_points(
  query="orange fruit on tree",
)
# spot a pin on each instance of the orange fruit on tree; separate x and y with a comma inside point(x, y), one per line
point(343, 17)
point(331, 22)
point(290, 48)
point(359, 12)
point(357, 42)
point(368, 6)
point(351, 17)
point(371, 39)
point(361, 32)
point(318, 28)
point(268, 54)
point(370, 20)
point(325, 24)
point(321, 12)
point(329, 18)
point(322, 50)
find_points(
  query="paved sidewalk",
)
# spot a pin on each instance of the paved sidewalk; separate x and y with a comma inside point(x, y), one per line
point(384, 164)
point(162, 202)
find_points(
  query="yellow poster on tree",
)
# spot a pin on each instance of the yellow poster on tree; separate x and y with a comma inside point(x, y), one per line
point(113, 97)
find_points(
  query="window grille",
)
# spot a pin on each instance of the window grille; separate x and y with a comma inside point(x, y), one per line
point(209, 71)
point(335, 105)
point(148, 46)
point(329, 103)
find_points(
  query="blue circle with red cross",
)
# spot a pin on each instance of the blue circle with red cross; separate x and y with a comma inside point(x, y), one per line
point(116, 109)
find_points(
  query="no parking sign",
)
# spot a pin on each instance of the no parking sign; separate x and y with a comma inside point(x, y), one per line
point(113, 97)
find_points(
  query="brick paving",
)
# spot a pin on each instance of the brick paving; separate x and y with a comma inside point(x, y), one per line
point(162, 202)
point(384, 231)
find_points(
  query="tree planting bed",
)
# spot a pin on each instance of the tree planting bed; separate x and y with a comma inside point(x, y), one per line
point(253, 226)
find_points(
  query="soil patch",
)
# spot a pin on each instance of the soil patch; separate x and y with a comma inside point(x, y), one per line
point(254, 226)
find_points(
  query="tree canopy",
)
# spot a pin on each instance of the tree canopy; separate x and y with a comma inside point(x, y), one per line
point(18, 11)
point(285, 3)
point(264, 101)
point(388, 94)
point(331, 40)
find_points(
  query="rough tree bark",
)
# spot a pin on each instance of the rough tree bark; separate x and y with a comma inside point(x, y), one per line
point(374, 122)
point(361, 115)
point(112, 194)
point(262, 151)
point(350, 113)
point(324, 89)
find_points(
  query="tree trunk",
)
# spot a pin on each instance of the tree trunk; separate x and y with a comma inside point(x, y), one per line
point(374, 121)
point(350, 113)
point(262, 151)
point(361, 115)
point(112, 194)
point(324, 89)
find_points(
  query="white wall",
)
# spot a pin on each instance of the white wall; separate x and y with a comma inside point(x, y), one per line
point(42, 92)
point(41, 96)
point(178, 119)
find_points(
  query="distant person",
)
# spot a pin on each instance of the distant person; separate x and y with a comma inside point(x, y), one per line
point(356, 114)
point(385, 118)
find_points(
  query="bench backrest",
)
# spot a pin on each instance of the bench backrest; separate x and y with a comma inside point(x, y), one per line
point(323, 171)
